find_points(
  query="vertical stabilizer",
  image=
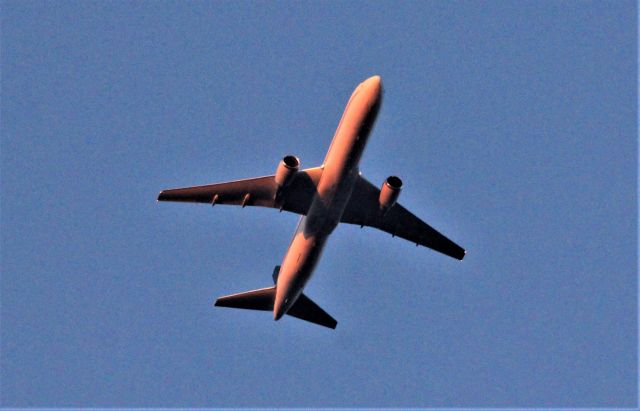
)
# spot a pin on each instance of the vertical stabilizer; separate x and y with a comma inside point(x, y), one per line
point(276, 272)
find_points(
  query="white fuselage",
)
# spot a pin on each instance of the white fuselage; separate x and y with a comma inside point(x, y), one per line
point(340, 170)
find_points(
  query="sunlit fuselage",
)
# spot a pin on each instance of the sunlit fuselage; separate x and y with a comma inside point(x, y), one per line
point(340, 170)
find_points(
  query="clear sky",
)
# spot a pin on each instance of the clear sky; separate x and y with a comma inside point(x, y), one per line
point(512, 124)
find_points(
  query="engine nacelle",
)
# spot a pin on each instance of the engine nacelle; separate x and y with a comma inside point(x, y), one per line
point(286, 170)
point(389, 193)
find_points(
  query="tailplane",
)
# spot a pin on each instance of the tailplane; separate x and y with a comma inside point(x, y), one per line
point(307, 310)
point(262, 299)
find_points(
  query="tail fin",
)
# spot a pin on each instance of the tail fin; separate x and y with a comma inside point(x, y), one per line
point(276, 272)
point(263, 298)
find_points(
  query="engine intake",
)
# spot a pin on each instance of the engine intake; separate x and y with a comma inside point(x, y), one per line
point(389, 193)
point(286, 170)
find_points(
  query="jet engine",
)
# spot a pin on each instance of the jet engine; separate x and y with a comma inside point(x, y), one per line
point(286, 170)
point(389, 193)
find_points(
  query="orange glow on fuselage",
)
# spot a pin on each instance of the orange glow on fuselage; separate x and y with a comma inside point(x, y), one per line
point(340, 170)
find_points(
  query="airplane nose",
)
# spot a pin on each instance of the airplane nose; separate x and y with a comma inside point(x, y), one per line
point(374, 82)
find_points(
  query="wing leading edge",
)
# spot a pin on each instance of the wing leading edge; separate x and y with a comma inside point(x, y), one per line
point(363, 209)
point(259, 191)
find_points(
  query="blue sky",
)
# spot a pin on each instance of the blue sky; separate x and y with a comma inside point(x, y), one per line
point(512, 124)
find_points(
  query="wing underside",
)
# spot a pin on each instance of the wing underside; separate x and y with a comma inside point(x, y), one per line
point(363, 209)
point(260, 191)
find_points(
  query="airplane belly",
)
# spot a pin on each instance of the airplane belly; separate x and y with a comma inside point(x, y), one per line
point(340, 170)
point(328, 206)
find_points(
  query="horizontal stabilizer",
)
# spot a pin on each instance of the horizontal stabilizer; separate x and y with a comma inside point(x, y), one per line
point(261, 299)
point(307, 310)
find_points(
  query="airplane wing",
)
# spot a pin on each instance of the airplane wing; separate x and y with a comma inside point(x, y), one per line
point(362, 209)
point(260, 191)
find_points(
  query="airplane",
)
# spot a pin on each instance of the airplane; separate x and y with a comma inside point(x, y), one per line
point(324, 196)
